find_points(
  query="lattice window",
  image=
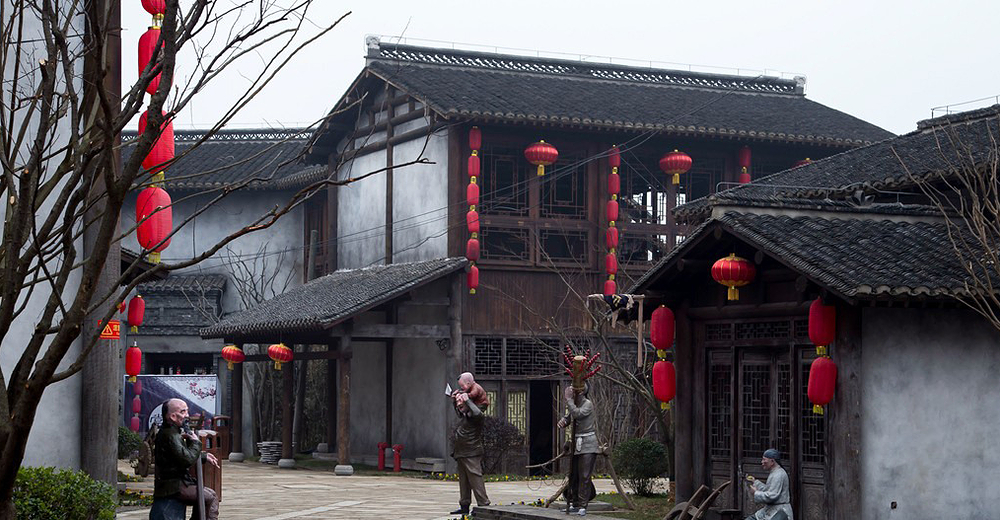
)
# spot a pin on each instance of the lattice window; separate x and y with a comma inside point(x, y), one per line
point(565, 245)
point(564, 189)
point(529, 357)
point(764, 330)
point(784, 432)
point(491, 410)
point(503, 181)
point(813, 426)
point(720, 419)
point(718, 332)
point(801, 328)
point(756, 407)
point(505, 244)
point(489, 356)
point(644, 193)
point(704, 176)
point(517, 410)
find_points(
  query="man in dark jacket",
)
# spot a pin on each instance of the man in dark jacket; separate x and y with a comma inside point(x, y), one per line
point(176, 451)
point(468, 451)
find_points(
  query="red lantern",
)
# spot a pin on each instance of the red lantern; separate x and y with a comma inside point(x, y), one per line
point(163, 149)
point(541, 154)
point(612, 211)
point(122, 307)
point(733, 271)
point(745, 177)
point(474, 165)
point(615, 159)
point(472, 194)
point(472, 220)
point(154, 214)
point(822, 325)
point(614, 184)
point(472, 279)
point(148, 54)
point(475, 138)
point(611, 265)
point(822, 382)
point(803, 162)
point(611, 237)
point(135, 424)
point(610, 287)
point(664, 382)
point(279, 353)
point(674, 164)
point(155, 7)
point(133, 362)
point(136, 404)
point(136, 312)
point(661, 328)
point(472, 249)
point(744, 157)
point(137, 387)
point(232, 354)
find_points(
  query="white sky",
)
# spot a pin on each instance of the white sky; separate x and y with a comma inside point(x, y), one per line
point(887, 62)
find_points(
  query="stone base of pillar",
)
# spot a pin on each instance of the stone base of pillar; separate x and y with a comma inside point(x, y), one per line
point(323, 447)
point(286, 463)
point(236, 457)
point(343, 470)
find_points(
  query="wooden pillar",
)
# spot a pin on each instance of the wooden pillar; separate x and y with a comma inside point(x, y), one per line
point(287, 395)
point(344, 409)
point(331, 400)
point(388, 390)
point(684, 472)
point(453, 355)
point(844, 495)
point(236, 405)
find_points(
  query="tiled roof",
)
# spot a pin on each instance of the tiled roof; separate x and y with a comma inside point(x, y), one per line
point(583, 94)
point(853, 257)
point(330, 299)
point(181, 304)
point(186, 283)
point(938, 146)
point(230, 156)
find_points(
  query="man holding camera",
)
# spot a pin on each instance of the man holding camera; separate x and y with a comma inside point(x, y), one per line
point(177, 448)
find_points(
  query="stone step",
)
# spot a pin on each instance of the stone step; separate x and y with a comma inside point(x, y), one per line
point(519, 512)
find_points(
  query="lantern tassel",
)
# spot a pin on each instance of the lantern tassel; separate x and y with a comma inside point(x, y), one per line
point(158, 178)
point(154, 257)
point(131, 379)
point(664, 406)
point(818, 409)
point(676, 179)
point(277, 365)
point(134, 328)
point(541, 169)
point(230, 363)
point(733, 293)
point(472, 291)
point(662, 354)
point(821, 350)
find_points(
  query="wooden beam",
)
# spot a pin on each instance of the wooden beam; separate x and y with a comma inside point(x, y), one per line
point(401, 138)
point(845, 417)
point(299, 356)
point(344, 408)
point(287, 391)
point(331, 404)
point(747, 311)
point(390, 330)
point(388, 183)
point(236, 405)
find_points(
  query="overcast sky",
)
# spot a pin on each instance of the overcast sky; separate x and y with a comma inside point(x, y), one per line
point(887, 62)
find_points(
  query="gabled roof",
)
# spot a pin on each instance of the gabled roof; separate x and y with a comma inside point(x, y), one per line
point(272, 156)
point(331, 299)
point(499, 87)
point(186, 283)
point(936, 147)
point(854, 258)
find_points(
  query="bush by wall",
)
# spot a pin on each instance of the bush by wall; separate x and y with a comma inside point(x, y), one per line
point(128, 442)
point(59, 494)
point(639, 462)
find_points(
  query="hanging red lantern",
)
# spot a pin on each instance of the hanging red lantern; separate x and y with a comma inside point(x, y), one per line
point(472, 279)
point(675, 164)
point(615, 159)
point(472, 194)
point(612, 212)
point(803, 162)
point(155, 7)
point(475, 138)
point(148, 54)
point(541, 154)
point(472, 220)
point(822, 382)
point(661, 328)
point(133, 362)
point(279, 353)
point(232, 354)
point(154, 214)
point(733, 271)
point(744, 157)
point(611, 265)
point(611, 237)
point(135, 424)
point(122, 307)
point(163, 149)
point(822, 325)
point(610, 287)
point(472, 249)
point(664, 382)
point(136, 312)
point(474, 165)
point(137, 387)
point(136, 404)
point(614, 185)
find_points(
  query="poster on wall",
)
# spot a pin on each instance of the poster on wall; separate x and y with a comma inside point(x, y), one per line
point(198, 391)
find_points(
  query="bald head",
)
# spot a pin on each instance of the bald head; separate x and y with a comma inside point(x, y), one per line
point(465, 381)
point(176, 411)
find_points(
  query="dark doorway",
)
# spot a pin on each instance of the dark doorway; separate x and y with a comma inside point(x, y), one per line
point(540, 412)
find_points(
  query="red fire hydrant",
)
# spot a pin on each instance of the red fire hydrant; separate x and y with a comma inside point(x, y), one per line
point(397, 456)
point(381, 455)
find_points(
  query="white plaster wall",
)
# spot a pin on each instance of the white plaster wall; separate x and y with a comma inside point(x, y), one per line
point(361, 214)
point(420, 200)
point(930, 395)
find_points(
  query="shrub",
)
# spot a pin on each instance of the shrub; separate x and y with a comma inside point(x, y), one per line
point(638, 462)
point(128, 442)
point(499, 437)
point(58, 494)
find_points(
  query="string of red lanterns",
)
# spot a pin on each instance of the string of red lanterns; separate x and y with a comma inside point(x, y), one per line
point(135, 423)
point(744, 160)
point(823, 370)
point(472, 217)
point(136, 312)
point(661, 335)
point(614, 189)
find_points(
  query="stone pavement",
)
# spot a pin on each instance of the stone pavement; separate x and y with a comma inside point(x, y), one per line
point(254, 491)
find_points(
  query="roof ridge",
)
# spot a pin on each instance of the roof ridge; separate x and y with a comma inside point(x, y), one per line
point(960, 117)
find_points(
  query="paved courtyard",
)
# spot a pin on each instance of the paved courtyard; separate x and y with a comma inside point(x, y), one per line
point(254, 491)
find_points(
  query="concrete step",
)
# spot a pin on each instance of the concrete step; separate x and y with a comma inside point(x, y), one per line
point(528, 513)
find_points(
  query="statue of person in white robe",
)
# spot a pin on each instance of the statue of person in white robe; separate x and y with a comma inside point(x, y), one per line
point(774, 493)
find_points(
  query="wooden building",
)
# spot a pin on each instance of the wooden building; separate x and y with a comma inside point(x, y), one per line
point(906, 434)
point(407, 118)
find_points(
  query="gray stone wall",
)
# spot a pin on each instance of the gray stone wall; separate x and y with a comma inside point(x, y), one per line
point(930, 394)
